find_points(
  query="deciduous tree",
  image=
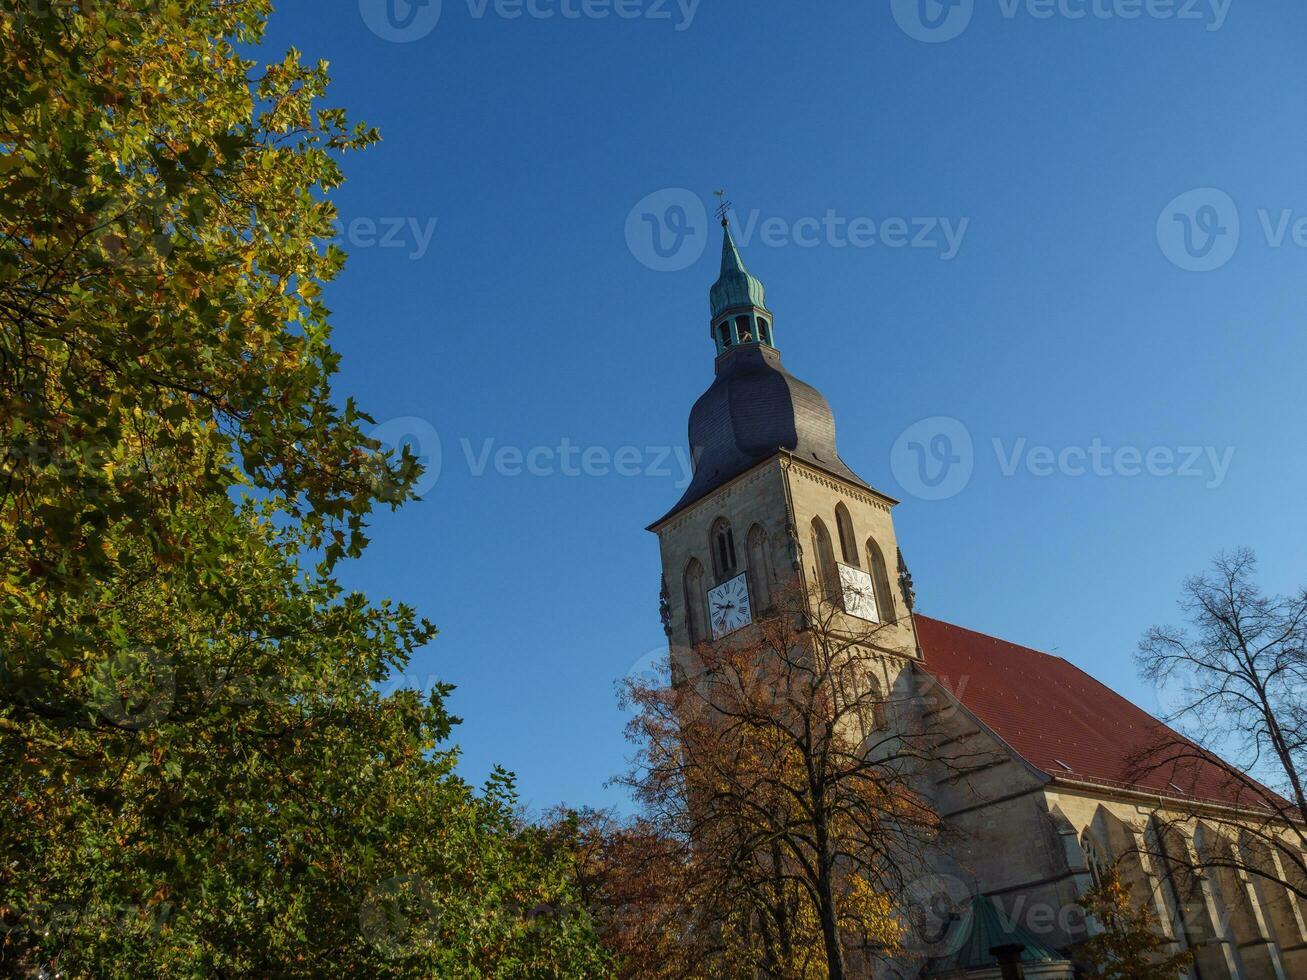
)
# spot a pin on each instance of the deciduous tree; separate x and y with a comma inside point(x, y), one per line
point(787, 767)
point(200, 774)
point(1130, 945)
point(1237, 680)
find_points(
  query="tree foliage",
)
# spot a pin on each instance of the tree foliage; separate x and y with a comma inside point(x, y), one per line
point(200, 772)
point(1130, 945)
point(649, 905)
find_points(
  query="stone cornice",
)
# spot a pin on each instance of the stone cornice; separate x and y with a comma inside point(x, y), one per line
point(872, 498)
point(714, 500)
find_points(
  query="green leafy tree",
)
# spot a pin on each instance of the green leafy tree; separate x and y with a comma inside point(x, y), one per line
point(1130, 945)
point(200, 774)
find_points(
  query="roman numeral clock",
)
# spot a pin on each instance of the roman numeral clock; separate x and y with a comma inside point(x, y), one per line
point(728, 606)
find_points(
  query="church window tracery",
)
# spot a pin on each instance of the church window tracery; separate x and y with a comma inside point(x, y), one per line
point(880, 582)
point(1093, 857)
point(723, 549)
point(848, 543)
point(824, 555)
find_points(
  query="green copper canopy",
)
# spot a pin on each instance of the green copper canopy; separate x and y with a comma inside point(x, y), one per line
point(734, 287)
point(987, 929)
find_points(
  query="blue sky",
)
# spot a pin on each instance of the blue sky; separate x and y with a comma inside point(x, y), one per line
point(504, 296)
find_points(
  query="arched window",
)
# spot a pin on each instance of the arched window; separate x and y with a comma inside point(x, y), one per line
point(1216, 856)
point(861, 697)
point(872, 715)
point(722, 540)
point(696, 610)
point(824, 558)
point(724, 334)
point(764, 331)
point(1093, 857)
point(880, 582)
point(760, 577)
point(1160, 850)
point(848, 543)
point(744, 330)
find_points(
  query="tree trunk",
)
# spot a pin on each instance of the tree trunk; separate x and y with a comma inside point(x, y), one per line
point(782, 913)
point(1282, 752)
point(830, 931)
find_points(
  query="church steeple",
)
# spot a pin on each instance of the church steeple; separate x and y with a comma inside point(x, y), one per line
point(738, 302)
point(769, 496)
point(755, 409)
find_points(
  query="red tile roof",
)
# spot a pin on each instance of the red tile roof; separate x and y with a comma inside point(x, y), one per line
point(1066, 724)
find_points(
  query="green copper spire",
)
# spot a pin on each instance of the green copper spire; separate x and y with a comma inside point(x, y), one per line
point(739, 302)
point(734, 287)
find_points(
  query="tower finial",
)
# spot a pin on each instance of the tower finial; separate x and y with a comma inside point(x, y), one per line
point(723, 207)
point(738, 300)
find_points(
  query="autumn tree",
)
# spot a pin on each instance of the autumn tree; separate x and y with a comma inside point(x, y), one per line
point(666, 910)
point(648, 897)
point(199, 771)
point(1129, 944)
point(788, 766)
point(1236, 677)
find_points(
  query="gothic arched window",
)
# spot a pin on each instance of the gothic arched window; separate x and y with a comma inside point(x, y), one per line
point(696, 610)
point(871, 715)
point(848, 543)
point(722, 540)
point(880, 582)
point(861, 697)
point(824, 557)
point(760, 577)
point(1161, 845)
point(1216, 856)
point(1093, 857)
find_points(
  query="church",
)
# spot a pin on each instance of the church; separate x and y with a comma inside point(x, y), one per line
point(1054, 796)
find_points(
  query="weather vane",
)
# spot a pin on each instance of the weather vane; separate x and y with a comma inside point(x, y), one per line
point(724, 206)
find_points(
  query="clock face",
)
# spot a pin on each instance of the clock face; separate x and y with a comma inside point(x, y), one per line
point(728, 606)
point(859, 593)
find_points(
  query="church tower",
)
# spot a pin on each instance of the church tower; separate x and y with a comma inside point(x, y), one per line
point(771, 503)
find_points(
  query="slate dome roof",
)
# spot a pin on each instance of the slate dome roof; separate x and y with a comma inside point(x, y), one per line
point(753, 410)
